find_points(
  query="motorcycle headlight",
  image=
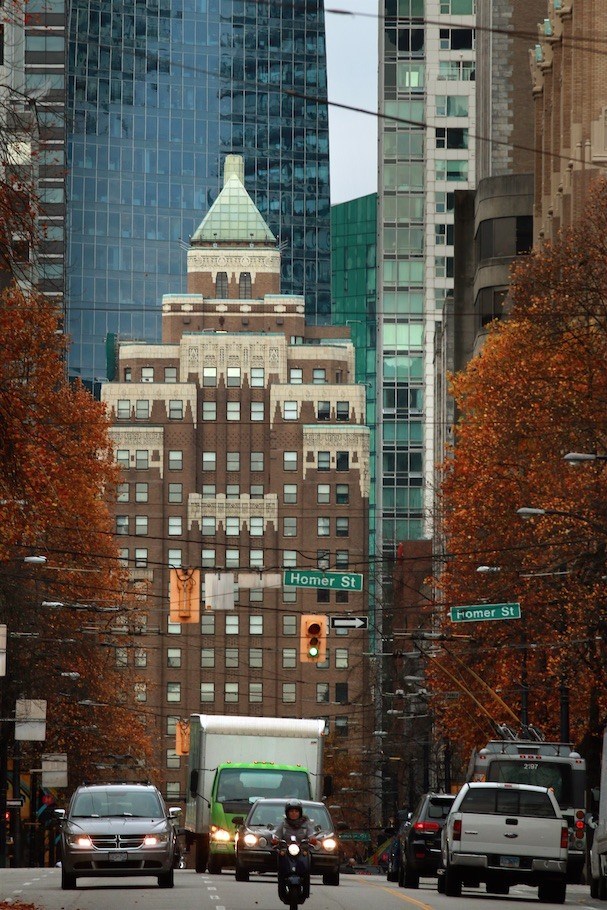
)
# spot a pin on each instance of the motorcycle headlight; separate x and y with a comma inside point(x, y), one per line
point(153, 840)
point(81, 840)
point(250, 840)
point(329, 844)
point(220, 835)
point(293, 849)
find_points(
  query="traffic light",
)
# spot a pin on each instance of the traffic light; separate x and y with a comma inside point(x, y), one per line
point(313, 639)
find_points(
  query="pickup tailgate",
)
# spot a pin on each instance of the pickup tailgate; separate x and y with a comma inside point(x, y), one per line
point(510, 835)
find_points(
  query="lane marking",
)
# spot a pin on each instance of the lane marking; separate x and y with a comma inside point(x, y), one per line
point(402, 897)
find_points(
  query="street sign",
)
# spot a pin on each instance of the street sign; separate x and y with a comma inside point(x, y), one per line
point(484, 612)
point(14, 803)
point(316, 578)
point(349, 622)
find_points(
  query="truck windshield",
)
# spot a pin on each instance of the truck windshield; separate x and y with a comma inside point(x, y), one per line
point(247, 784)
point(543, 773)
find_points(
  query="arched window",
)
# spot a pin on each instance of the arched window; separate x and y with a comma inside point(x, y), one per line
point(245, 289)
point(221, 284)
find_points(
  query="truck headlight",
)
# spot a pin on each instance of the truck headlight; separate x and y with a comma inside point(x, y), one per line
point(329, 844)
point(220, 835)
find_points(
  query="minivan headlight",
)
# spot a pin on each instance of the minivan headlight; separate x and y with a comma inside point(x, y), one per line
point(153, 840)
point(80, 840)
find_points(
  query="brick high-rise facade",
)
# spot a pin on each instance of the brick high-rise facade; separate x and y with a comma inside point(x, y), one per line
point(569, 70)
point(244, 449)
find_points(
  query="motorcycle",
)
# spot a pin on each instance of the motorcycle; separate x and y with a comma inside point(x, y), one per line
point(293, 871)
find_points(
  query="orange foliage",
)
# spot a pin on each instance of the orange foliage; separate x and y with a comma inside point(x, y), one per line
point(537, 391)
point(56, 464)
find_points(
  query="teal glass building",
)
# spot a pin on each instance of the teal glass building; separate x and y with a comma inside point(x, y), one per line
point(158, 92)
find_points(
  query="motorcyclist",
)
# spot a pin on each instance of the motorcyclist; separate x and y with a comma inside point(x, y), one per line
point(295, 824)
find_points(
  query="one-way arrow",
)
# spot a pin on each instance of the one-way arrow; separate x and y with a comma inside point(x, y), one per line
point(349, 622)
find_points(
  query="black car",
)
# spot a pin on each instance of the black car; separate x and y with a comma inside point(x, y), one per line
point(420, 839)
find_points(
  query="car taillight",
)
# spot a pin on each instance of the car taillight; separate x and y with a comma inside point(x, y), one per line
point(427, 827)
point(579, 824)
point(564, 838)
point(457, 829)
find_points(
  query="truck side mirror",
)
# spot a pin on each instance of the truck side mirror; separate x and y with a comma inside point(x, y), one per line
point(194, 782)
point(327, 787)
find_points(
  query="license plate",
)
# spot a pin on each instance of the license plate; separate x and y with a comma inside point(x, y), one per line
point(118, 857)
point(510, 862)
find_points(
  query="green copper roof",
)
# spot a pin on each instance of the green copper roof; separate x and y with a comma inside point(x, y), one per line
point(233, 217)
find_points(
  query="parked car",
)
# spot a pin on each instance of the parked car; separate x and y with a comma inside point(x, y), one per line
point(254, 851)
point(117, 830)
point(420, 839)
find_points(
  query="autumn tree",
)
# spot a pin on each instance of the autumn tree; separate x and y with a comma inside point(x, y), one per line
point(537, 391)
point(56, 470)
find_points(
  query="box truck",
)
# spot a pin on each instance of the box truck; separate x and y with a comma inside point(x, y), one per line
point(235, 760)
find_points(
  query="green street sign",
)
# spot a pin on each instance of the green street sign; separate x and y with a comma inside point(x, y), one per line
point(316, 578)
point(484, 612)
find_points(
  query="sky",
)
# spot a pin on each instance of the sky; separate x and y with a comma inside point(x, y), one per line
point(352, 42)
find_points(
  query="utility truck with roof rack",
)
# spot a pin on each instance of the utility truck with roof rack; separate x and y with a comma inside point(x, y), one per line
point(234, 761)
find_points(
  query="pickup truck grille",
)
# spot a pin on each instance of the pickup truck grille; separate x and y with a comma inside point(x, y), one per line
point(117, 841)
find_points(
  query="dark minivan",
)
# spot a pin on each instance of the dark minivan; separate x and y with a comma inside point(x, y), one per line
point(420, 839)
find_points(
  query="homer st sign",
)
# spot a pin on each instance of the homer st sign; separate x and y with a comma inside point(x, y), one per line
point(484, 612)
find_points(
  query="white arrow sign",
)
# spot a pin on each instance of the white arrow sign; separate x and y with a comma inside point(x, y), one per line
point(349, 622)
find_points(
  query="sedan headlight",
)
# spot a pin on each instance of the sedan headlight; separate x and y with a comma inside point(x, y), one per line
point(80, 840)
point(329, 844)
point(250, 840)
point(220, 835)
point(153, 840)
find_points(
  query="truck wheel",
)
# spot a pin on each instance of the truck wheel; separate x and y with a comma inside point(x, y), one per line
point(68, 881)
point(440, 881)
point(201, 848)
point(331, 878)
point(453, 884)
point(167, 879)
point(601, 887)
point(240, 874)
point(552, 892)
point(214, 864)
point(594, 887)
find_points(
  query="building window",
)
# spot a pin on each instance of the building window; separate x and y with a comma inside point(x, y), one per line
point(256, 491)
point(175, 409)
point(209, 461)
point(288, 693)
point(175, 492)
point(256, 595)
point(323, 492)
point(170, 374)
point(147, 374)
point(123, 458)
point(323, 410)
point(342, 527)
point(123, 409)
point(289, 625)
point(122, 492)
point(175, 526)
point(232, 526)
point(256, 658)
point(289, 658)
point(342, 493)
point(128, 374)
point(172, 759)
point(289, 595)
point(209, 377)
point(207, 559)
point(207, 692)
point(209, 491)
point(341, 659)
point(324, 461)
point(209, 410)
point(341, 726)
point(231, 658)
point(208, 526)
point(290, 410)
point(256, 461)
point(245, 290)
point(141, 525)
point(141, 492)
point(121, 657)
point(232, 491)
point(255, 625)
point(221, 284)
point(342, 559)
point(123, 556)
point(171, 724)
point(343, 410)
point(233, 380)
point(172, 791)
point(342, 597)
point(232, 557)
point(255, 693)
point(174, 557)
point(173, 692)
point(257, 411)
point(342, 461)
point(207, 623)
point(323, 596)
point(207, 658)
point(322, 692)
point(232, 461)
point(141, 693)
point(256, 526)
point(142, 410)
point(142, 459)
point(289, 461)
point(175, 460)
point(233, 410)
point(289, 559)
point(174, 658)
point(289, 527)
point(256, 559)
point(323, 526)
point(141, 557)
point(295, 376)
point(257, 378)
point(122, 524)
point(319, 377)
point(289, 493)
point(232, 624)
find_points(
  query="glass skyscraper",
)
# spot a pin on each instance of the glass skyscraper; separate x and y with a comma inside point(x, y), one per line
point(159, 91)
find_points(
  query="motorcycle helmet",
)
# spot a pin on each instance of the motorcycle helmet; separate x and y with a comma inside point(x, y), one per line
point(294, 804)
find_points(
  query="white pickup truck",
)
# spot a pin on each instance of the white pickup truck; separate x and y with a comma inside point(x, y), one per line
point(502, 835)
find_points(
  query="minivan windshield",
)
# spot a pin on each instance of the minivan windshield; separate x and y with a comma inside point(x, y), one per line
point(107, 803)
